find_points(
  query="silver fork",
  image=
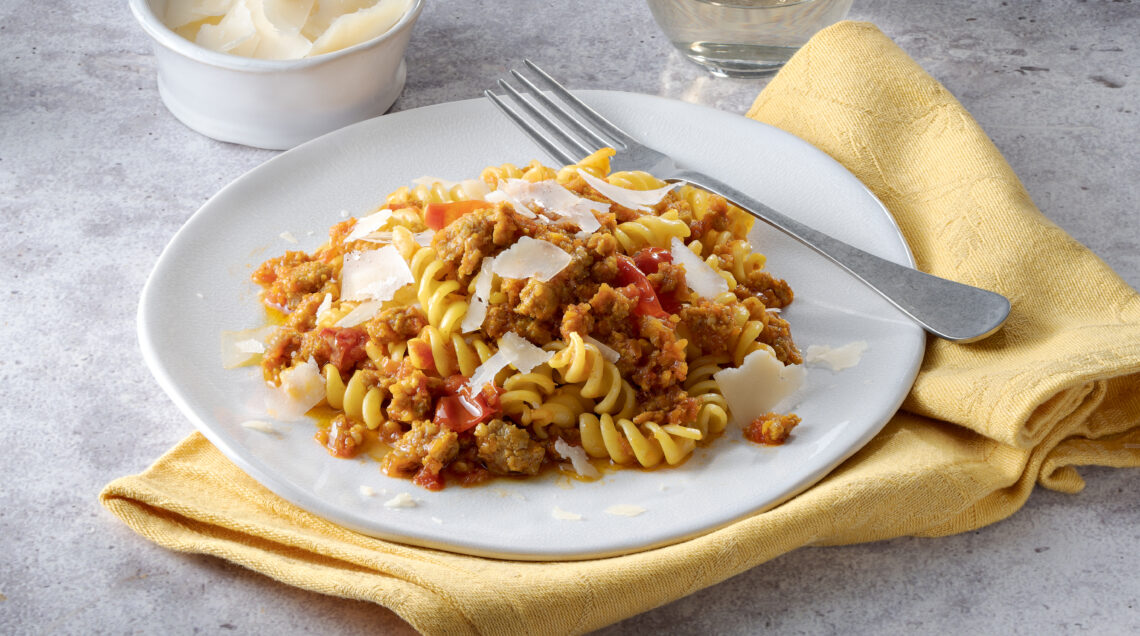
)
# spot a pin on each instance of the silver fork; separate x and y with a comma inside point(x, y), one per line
point(945, 308)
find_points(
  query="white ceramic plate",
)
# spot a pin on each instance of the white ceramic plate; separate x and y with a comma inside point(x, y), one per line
point(200, 287)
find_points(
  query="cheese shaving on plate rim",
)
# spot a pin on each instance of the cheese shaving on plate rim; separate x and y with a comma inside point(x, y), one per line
point(302, 387)
point(758, 385)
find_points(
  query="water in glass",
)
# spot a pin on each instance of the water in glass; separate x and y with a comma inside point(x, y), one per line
point(744, 38)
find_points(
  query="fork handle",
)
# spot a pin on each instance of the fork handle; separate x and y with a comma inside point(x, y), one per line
point(945, 308)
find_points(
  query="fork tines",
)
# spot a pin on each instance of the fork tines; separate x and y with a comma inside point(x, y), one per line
point(568, 131)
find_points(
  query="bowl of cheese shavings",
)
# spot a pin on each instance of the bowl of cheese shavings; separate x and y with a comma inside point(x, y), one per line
point(276, 73)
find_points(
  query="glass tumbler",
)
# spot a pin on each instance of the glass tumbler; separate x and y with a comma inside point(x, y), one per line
point(743, 38)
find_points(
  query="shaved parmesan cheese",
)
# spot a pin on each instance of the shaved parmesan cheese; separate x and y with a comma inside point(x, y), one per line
point(250, 346)
point(373, 274)
point(643, 200)
point(486, 278)
point(476, 314)
point(701, 278)
point(367, 225)
point(562, 515)
point(260, 426)
point(578, 459)
point(360, 26)
point(360, 314)
point(275, 43)
point(287, 16)
point(553, 199)
point(235, 33)
point(607, 352)
point(523, 355)
point(243, 347)
point(624, 510)
point(402, 500)
point(531, 258)
point(288, 236)
point(477, 308)
point(326, 304)
point(302, 388)
point(498, 196)
point(757, 385)
point(423, 239)
point(329, 10)
point(486, 372)
point(182, 13)
point(282, 29)
point(513, 350)
point(837, 358)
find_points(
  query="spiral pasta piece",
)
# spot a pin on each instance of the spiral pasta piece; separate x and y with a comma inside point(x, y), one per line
point(635, 180)
point(445, 355)
point(436, 293)
point(747, 340)
point(734, 260)
point(492, 175)
point(432, 351)
point(744, 261)
point(597, 164)
point(534, 172)
point(524, 392)
point(562, 408)
point(470, 352)
point(624, 442)
point(582, 363)
point(356, 398)
point(438, 192)
point(651, 231)
point(712, 416)
point(702, 204)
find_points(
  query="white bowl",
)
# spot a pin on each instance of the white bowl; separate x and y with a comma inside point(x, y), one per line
point(275, 104)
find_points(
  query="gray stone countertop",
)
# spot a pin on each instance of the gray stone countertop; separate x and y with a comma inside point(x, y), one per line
point(96, 176)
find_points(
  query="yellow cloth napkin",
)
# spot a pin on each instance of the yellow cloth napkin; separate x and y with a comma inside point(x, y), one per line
point(1057, 388)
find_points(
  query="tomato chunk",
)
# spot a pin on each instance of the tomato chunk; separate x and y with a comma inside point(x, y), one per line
point(647, 302)
point(649, 259)
point(459, 410)
point(346, 346)
point(439, 215)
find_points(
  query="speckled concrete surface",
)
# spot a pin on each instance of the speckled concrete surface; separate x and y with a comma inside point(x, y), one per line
point(96, 176)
